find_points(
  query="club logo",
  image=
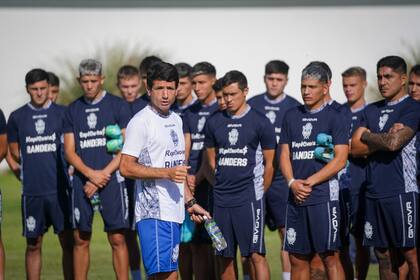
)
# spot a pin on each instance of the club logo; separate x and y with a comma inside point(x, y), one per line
point(40, 126)
point(271, 116)
point(382, 121)
point(77, 214)
point(30, 223)
point(201, 123)
point(306, 130)
point(291, 236)
point(92, 120)
point(174, 137)
point(368, 230)
point(233, 136)
point(175, 253)
point(334, 189)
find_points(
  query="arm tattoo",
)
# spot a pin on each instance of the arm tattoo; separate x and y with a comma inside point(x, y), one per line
point(387, 141)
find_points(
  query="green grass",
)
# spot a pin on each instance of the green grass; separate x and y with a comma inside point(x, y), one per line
point(101, 265)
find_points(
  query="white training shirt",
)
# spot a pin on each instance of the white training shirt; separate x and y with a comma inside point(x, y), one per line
point(157, 141)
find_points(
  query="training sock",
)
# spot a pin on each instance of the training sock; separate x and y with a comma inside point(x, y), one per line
point(286, 275)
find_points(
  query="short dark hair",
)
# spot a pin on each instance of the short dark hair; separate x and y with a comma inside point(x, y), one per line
point(355, 71)
point(146, 63)
point(218, 85)
point(53, 80)
point(184, 69)
point(127, 71)
point(323, 65)
point(415, 70)
point(394, 62)
point(235, 76)
point(35, 75)
point(162, 71)
point(203, 67)
point(276, 66)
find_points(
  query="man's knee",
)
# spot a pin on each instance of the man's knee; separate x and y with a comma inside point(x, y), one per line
point(34, 244)
point(116, 239)
point(257, 258)
point(82, 239)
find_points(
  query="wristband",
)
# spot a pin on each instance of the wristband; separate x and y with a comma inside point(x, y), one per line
point(291, 181)
point(190, 203)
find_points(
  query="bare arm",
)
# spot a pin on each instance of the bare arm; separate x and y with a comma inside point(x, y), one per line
point(3, 146)
point(14, 151)
point(13, 164)
point(387, 141)
point(358, 148)
point(187, 139)
point(99, 178)
point(331, 168)
point(268, 168)
point(130, 168)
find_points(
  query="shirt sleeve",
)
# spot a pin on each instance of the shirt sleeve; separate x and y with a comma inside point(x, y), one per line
point(410, 116)
point(135, 137)
point(12, 129)
point(268, 136)
point(124, 114)
point(209, 140)
point(2, 123)
point(68, 121)
point(340, 129)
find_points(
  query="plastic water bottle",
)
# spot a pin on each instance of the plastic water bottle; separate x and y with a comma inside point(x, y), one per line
point(215, 234)
point(325, 140)
point(95, 201)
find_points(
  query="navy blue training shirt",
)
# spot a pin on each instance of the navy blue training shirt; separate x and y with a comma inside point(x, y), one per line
point(194, 121)
point(87, 121)
point(238, 142)
point(39, 135)
point(139, 104)
point(2, 123)
point(392, 173)
point(299, 130)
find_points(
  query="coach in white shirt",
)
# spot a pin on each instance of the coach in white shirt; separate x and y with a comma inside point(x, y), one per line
point(154, 155)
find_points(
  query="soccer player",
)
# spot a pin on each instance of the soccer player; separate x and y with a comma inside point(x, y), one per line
point(274, 103)
point(313, 212)
point(414, 82)
point(129, 84)
point(217, 87)
point(391, 191)
point(184, 96)
point(154, 155)
point(95, 168)
point(34, 134)
point(203, 76)
point(240, 145)
point(3, 153)
point(54, 86)
point(354, 85)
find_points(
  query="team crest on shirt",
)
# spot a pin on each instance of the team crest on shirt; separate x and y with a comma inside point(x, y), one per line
point(382, 121)
point(40, 126)
point(233, 136)
point(291, 236)
point(175, 253)
point(271, 116)
point(368, 230)
point(77, 214)
point(174, 137)
point(201, 123)
point(306, 130)
point(30, 223)
point(92, 120)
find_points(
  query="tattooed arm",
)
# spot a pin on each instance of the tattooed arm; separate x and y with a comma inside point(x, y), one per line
point(387, 141)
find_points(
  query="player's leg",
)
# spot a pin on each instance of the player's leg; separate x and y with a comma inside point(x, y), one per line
point(185, 261)
point(131, 235)
point(2, 255)
point(284, 255)
point(300, 266)
point(333, 266)
point(65, 236)
point(344, 252)
point(67, 242)
point(410, 256)
point(227, 268)
point(119, 253)
point(33, 261)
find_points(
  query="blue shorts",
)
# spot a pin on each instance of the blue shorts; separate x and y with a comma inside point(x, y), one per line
point(113, 207)
point(391, 222)
point(242, 226)
point(39, 213)
point(159, 241)
point(357, 214)
point(312, 228)
point(276, 200)
point(345, 210)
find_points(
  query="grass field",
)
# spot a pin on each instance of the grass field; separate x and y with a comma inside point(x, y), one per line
point(101, 266)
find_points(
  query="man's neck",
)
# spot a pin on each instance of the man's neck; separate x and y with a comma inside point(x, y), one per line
point(209, 99)
point(97, 97)
point(41, 106)
point(241, 110)
point(186, 101)
point(357, 104)
point(275, 98)
point(398, 96)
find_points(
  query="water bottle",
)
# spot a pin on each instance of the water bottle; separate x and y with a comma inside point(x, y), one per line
point(325, 140)
point(113, 131)
point(95, 201)
point(324, 154)
point(215, 234)
point(114, 145)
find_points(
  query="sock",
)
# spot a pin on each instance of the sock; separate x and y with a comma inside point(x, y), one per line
point(286, 275)
point(135, 275)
